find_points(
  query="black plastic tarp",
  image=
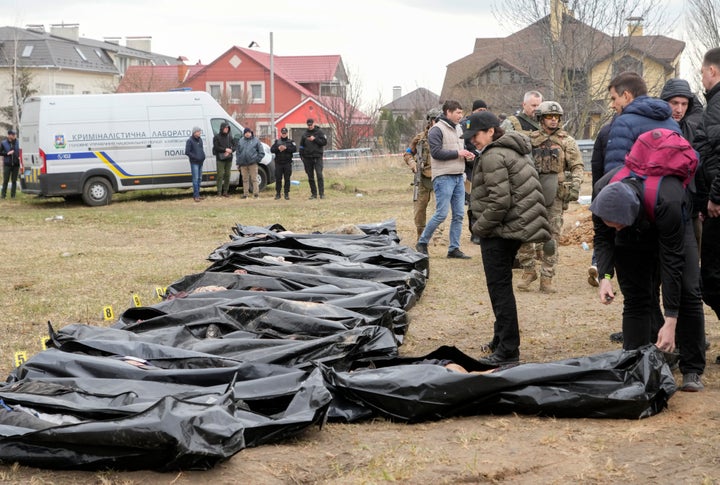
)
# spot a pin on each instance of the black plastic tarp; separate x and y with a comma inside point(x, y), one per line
point(281, 332)
point(618, 384)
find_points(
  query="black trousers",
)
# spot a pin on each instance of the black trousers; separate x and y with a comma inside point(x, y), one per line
point(283, 171)
point(710, 259)
point(314, 167)
point(636, 266)
point(498, 255)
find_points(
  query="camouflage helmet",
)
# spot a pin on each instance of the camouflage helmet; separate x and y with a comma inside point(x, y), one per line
point(433, 113)
point(548, 108)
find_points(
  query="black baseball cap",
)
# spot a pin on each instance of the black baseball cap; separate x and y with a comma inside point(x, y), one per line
point(481, 121)
point(284, 130)
point(310, 121)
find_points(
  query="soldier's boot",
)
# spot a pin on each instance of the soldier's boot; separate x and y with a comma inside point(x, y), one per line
point(546, 285)
point(528, 276)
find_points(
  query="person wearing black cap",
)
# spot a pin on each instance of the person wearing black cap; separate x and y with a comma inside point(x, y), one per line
point(311, 154)
point(631, 244)
point(508, 206)
point(283, 148)
point(10, 151)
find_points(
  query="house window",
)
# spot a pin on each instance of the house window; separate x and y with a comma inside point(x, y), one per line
point(27, 51)
point(332, 89)
point(627, 63)
point(80, 53)
point(61, 88)
point(236, 92)
point(257, 92)
point(263, 130)
point(215, 90)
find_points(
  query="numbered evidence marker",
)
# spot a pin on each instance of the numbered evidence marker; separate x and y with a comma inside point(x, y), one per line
point(20, 358)
point(108, 313)
point(136, 300)
point(44, 342)
point(160, 292)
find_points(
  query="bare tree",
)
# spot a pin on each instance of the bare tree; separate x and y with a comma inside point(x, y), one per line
point(21, 90)
point(352, 127)
point(702, 22)
point(570, 51)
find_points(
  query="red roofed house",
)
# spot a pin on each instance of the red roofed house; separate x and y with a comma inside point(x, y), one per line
point(305, 87)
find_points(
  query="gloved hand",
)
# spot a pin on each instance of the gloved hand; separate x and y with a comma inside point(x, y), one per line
point(572, 194)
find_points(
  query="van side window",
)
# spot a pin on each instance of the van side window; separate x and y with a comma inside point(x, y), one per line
point(234, 132)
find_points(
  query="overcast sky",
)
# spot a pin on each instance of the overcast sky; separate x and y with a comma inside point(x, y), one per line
point(383, 42)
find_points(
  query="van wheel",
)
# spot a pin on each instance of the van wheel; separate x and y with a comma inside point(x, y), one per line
point(97, 191)
point(262, 179)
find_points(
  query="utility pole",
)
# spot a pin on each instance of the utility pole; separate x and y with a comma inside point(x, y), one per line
point(273, 135)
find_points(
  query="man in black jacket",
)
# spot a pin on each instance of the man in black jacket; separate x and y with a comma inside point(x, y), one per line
point(283, 148)
point(707, 181)
point(628, 241)
point(10, 151)
point(223, 148)
point(311, 154)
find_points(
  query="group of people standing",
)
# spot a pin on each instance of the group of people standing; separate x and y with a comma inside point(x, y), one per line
point(248, 152)
point(526, 171)
point(509, 201)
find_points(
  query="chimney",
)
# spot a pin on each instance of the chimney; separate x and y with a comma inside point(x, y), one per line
point(140, 43)
point(397, 92)
point(557, 9)
point(66, 31)
point(112, 40)
point(36, 28)
point(634, 26)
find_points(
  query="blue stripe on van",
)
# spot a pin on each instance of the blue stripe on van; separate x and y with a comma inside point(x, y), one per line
point(102, 156)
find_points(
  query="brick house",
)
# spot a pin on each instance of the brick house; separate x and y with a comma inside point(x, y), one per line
point(239, 79)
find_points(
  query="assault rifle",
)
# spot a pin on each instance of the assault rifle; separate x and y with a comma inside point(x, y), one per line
point(419, 160)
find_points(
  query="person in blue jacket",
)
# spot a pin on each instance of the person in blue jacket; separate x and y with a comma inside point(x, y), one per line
point(196, 154)
point(636, 113)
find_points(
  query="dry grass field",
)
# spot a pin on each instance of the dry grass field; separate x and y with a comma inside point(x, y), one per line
point(64, 262)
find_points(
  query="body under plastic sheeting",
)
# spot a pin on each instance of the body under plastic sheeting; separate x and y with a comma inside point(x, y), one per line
point(619, 384)
point(280, 333)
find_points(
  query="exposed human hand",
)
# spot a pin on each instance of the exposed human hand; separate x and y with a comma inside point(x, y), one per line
point(713, 209)
point(666, 335)
point(311, 138)
point(606, 292)
point(466, 154)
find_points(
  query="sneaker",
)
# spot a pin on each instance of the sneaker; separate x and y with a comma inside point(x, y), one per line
point(244, 197)
point(287, 197)
point(256, 196)
point(617, 337)
point(593, 276)
point(277, 197)
point(496, 360)
point(691, 383)
point(421, 248)
point(322, 196)
point(196, 199)
point(312, 197)
point(457, 254)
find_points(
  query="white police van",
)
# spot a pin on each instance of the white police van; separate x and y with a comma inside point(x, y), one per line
point(90, 146)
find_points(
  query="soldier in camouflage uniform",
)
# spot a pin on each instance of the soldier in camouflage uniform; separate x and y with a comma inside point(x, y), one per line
point(559, 164)
point(425, 189)
point(525, 121)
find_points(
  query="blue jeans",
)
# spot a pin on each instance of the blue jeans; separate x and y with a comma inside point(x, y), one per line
point(449, 195)
point(196, 171)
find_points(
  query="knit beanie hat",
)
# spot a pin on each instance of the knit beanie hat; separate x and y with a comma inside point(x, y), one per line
point(618, 203)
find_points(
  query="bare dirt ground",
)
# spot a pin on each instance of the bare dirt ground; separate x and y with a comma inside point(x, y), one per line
point(678, 446)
